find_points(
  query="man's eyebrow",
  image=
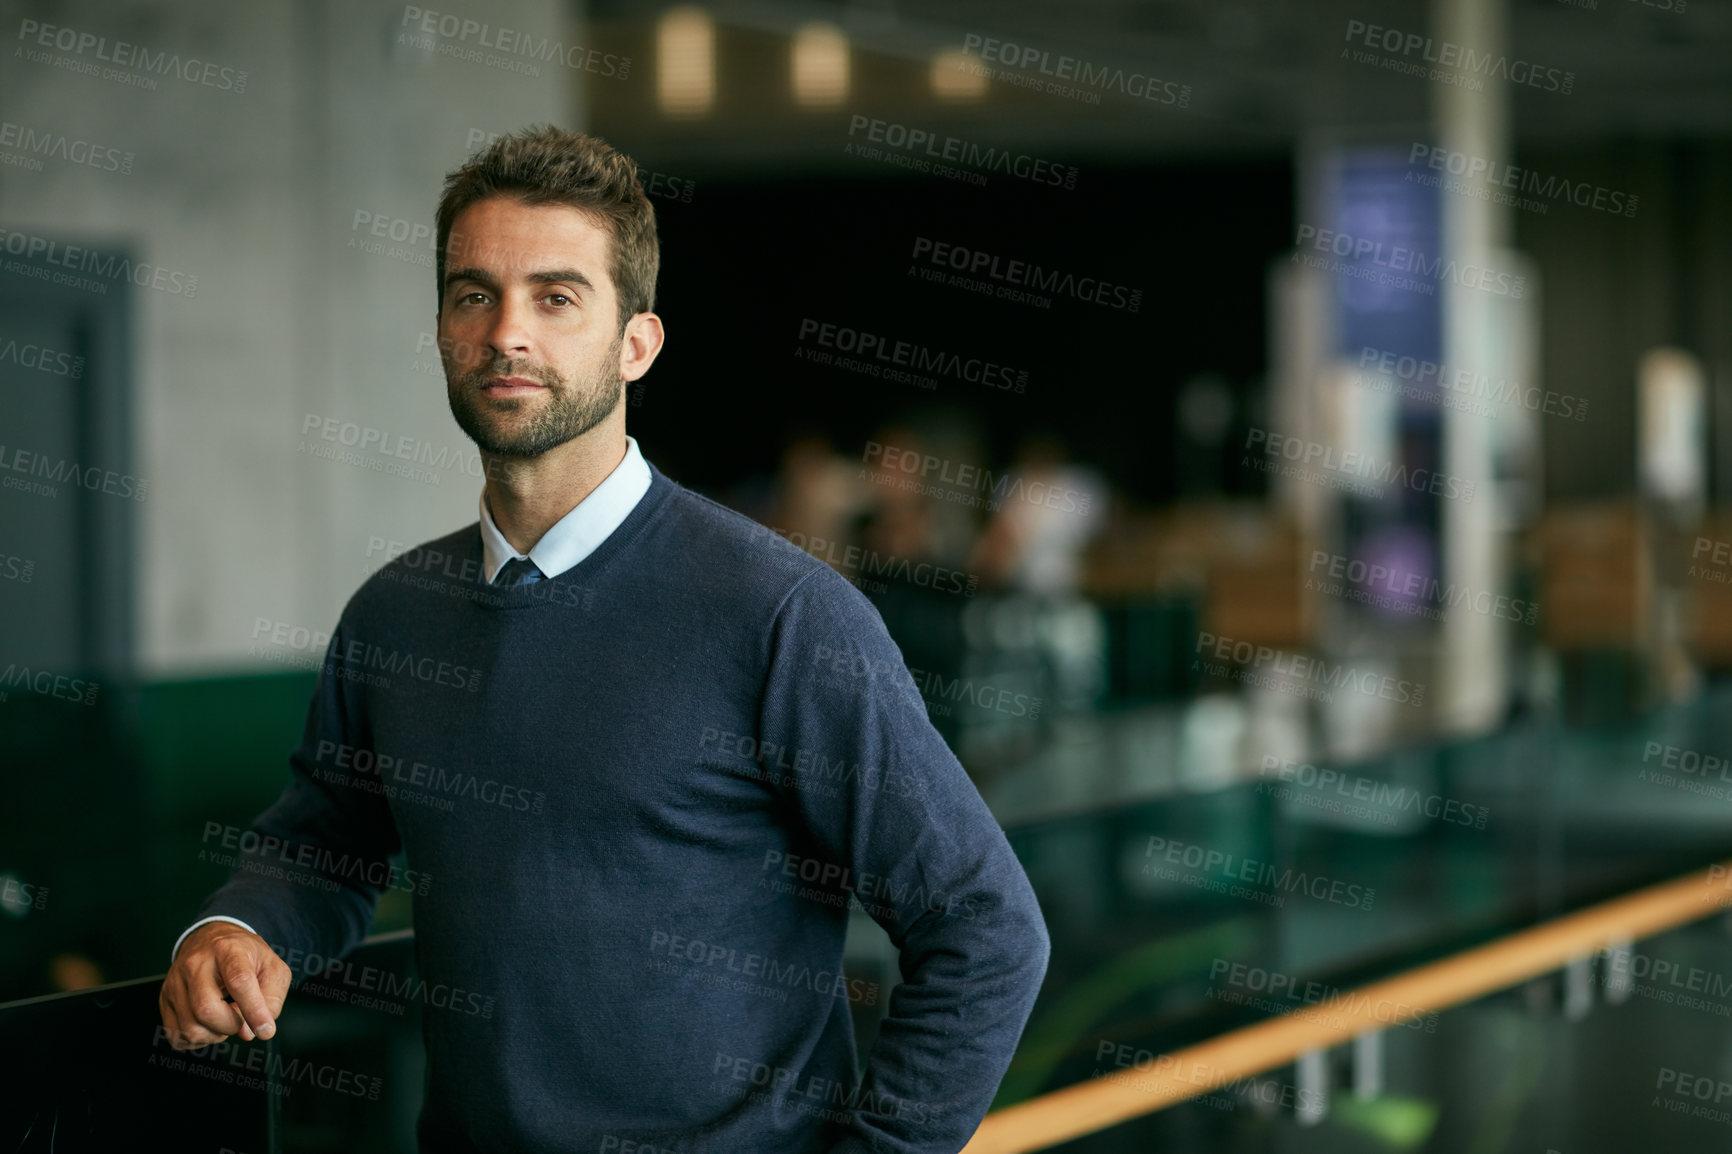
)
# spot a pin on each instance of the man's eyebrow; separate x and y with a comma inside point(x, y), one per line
point(479, 276)
point(550, 276)
point(555, 276)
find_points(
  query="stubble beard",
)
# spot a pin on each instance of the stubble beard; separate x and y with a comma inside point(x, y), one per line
point(569, 412)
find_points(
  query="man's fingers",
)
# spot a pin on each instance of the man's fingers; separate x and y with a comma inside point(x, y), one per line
point(242, 985)
point(183, 1033)
point(204, 998)
point(275, 978)
point(210, 1011)
point(170, 1020)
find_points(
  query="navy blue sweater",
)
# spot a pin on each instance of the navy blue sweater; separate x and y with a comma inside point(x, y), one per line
point(635, 801)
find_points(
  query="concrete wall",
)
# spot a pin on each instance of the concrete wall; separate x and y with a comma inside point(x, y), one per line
point(346, 110)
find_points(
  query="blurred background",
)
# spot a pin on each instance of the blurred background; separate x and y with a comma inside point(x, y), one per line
point(1293, 431)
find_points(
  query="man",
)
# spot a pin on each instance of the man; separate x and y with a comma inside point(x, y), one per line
point(674, 746)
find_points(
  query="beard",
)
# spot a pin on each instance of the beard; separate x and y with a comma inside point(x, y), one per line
point(570, 411)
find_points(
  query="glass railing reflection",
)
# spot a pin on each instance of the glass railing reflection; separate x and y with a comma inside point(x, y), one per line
point(1324, 876)
point(1624, 1051)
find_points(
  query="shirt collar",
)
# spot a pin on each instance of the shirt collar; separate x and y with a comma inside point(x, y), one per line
point(575, 535)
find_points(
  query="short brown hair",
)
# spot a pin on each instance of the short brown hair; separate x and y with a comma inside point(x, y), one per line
point(547, 165)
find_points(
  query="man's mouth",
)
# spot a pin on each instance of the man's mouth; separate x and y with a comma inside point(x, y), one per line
point(511, 386)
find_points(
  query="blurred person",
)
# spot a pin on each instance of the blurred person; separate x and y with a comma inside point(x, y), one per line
point(910, 486)
point(1046, 512)
point(817, 494)
point(656, 669)
point(910, 567)
point(896, 519)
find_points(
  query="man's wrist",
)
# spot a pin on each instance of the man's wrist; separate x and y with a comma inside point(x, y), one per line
point(205, 922)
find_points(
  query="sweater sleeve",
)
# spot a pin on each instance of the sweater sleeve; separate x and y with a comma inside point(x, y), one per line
point(909, 835)
point(309, 871)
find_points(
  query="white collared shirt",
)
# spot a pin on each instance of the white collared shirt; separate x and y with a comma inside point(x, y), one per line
point(568, 541)
point(575, 535)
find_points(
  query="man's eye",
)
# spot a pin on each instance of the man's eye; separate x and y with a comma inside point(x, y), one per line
point(559, 298)
point(474, 298)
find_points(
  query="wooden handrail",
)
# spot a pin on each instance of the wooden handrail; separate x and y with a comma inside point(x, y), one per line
point(1125, 1094)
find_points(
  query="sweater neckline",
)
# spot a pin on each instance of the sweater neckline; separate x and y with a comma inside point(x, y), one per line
point(564, 588)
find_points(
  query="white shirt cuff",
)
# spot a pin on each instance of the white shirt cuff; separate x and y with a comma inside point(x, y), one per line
point(200, 922)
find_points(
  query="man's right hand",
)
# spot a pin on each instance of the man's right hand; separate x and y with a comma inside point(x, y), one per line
point(225, 980)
